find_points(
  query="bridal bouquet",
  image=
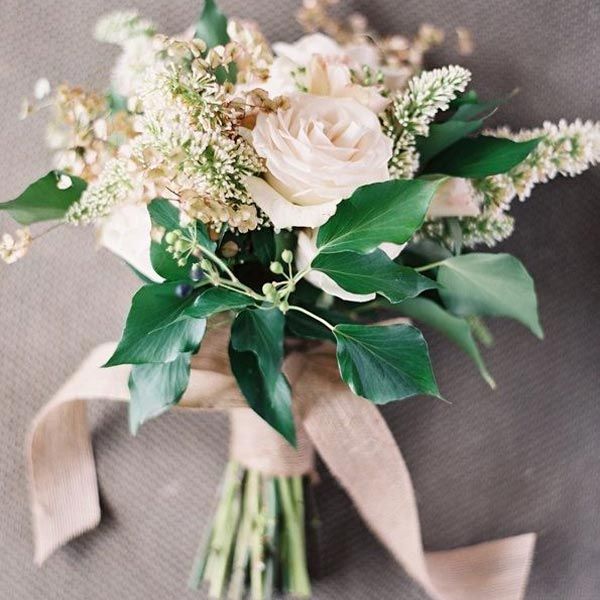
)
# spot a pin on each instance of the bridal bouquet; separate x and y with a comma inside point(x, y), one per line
point(281, 201)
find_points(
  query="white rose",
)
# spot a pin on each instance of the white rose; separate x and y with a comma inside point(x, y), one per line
point(301, 51)
point(126, 233)
point(317, 152)
point(454, 198)
point(327, 77)
point(307, 250)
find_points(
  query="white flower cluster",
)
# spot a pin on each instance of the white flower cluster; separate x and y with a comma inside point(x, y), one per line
point(191, 144)
point(412, 110)
point(115, 185)
point(121, 26)
point(11, 249)
point(565, 149)
point(136, 37)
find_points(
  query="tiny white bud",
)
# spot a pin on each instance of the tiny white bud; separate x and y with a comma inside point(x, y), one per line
point(287, 257)
point(64, 182)
point(41, 89)
point(101, 129)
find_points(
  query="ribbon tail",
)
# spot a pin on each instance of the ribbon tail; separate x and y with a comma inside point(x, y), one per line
point(62, 472)
point(354, 441)
point(498, 570)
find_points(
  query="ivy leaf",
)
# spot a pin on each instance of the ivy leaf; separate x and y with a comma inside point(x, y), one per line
point(381, 212)
point(165, 215)
point(302, 326)
point(155, 331)
point(43, 201)
point(154, 388)
point(215, 300)
point(256, 356)
point(481, 156)
point(212, 25)
point(490, 284)
point(263, 245)
point(384, 364)
point(374, 272)
point(165, 264)
point(454, 328)
point(442, 136)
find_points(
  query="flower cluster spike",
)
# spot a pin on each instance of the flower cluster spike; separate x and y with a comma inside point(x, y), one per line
point(413, 109)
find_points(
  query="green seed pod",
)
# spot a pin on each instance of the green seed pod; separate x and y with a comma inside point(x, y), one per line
point(276, 267)
point(171, 237)
point(287, 257)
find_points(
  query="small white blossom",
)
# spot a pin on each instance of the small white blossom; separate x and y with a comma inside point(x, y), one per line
point(42, 89)
point(114, 186)
point(413, 109)
point(11, 249)
point(120, 26)
point(64, 182)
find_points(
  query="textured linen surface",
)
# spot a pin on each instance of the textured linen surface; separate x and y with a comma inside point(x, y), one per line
point(523, 458)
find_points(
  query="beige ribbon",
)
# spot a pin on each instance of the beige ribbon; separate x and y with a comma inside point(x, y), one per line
point(347, 431)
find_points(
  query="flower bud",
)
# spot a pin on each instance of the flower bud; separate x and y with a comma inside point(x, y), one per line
point(287, 256)
point(276, 267)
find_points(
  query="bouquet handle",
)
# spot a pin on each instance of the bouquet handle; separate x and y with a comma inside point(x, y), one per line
point(348, 433)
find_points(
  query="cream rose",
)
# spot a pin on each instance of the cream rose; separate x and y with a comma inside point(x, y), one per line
point(331, 78)
point(317, 152)
point(126, 233)
point(454, 198)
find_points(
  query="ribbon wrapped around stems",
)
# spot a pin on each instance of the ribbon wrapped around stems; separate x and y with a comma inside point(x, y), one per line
point(347, 431)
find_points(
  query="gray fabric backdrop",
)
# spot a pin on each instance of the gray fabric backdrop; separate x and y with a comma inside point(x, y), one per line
point(493, 464)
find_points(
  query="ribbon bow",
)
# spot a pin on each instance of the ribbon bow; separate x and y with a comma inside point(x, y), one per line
point(347, 431)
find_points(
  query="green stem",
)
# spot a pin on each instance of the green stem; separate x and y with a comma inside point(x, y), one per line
point(313, 316)
point(242, 550)
point(431, 266)
point(271, 533)
point(226, 523)
point(299, 584)
point(256, 550)
point(221, 264)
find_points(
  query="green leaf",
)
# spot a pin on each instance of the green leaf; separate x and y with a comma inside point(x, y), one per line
point(263, 245)
point(43, 201)
point(384, 364)
point(442, 136)
point(155, 331)
point(212, 25)
point(215, 300)
point(302, 326)
point(155, 388)
point(469, 111)
point(165, 264)
point(490, 284)
point(116, 102)
point(454, 328)
point(381, 212)
point(256, 356)
point(481, 156)
point(165, 215)
point(374, 272)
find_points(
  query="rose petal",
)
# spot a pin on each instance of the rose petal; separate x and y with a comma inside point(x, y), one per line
point(454, 198)
point(126, 233)
point(284, 214)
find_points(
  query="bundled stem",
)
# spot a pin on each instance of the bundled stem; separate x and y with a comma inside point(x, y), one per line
point(257, 541)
